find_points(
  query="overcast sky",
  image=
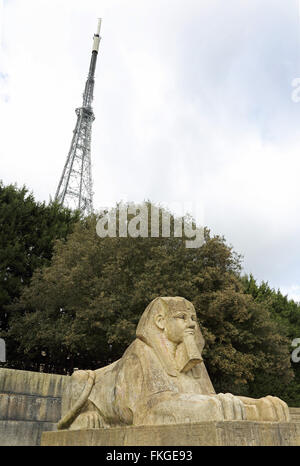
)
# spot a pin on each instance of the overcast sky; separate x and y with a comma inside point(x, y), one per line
point(193, 104)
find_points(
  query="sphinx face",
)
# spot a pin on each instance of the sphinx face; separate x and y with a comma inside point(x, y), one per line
point(179, 324)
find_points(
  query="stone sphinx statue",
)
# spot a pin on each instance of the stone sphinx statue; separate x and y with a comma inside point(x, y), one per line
point(161, 379)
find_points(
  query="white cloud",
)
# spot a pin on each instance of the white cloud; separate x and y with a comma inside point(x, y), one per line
point(293, 292)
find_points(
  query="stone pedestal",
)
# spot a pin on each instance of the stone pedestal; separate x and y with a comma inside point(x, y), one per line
point(229, 433)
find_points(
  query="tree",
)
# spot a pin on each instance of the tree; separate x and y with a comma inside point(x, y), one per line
point(82, 310)
point(286, 313)
point(28, 230)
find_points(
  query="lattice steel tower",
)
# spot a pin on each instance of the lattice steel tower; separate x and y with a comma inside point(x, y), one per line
point(75, 186)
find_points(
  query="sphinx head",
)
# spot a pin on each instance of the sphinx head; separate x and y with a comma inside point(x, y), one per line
point(171, 322)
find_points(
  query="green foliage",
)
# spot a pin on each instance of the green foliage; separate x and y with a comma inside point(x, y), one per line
point(82, 310)
point(27, 233)
point(286, 313)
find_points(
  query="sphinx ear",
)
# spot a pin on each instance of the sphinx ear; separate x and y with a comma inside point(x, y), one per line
point(159, 320)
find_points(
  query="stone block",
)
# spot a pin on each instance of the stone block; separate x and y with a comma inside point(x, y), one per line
point(295, 414)
point(32, 383)
point(16, 407)
point(228, 433)
point(23, 433)
point(30, 403)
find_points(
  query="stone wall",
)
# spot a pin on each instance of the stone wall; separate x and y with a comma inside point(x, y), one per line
point(30, 403)
point(295, 414)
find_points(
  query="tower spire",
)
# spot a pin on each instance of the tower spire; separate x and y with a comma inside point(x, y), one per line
point(75, 186)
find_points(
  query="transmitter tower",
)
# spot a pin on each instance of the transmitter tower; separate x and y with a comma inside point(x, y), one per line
point(75, 188)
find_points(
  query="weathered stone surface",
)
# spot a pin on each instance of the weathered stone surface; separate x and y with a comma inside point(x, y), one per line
point(228, 433)
point(161, 379)
point(295, 414)
point(31, 383)
point(23, 433)
point(30, 402)
point(29, 407)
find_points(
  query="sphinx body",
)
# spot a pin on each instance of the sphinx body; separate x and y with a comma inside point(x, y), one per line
point(160, 379)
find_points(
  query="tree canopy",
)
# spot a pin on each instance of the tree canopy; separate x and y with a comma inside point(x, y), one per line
point(286, 313)
point(28, 230)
